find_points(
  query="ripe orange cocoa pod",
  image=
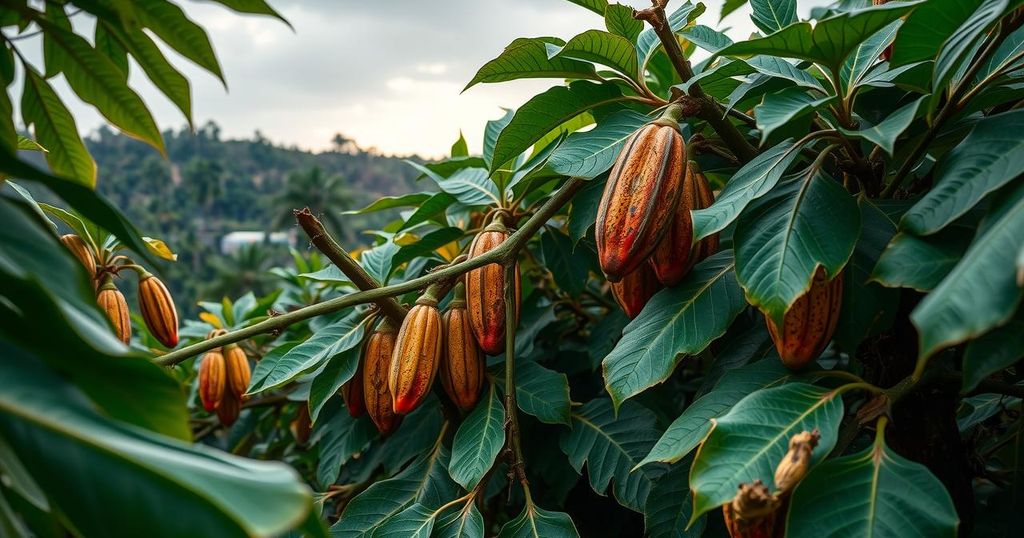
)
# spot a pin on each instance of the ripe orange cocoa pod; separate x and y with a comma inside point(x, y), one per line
point(462, 362)
point(212, 379)
point(633, 292)
point(112, 301)
point(158, 310)
point(794, 465)
point(77, 246)
point(229, 409)
point(352, 392)
point(752, 512)
point(641, 195)
point(377, 353)
point(416, 356)
point(809, 323)
point(238, 372)
point(676, 253)
point(485, 291)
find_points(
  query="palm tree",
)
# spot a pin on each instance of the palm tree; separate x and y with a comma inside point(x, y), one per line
point(325, 196)
point(246, 269)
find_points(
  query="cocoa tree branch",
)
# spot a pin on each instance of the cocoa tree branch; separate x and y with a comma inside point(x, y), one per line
point(518, 466)
point(504, 252)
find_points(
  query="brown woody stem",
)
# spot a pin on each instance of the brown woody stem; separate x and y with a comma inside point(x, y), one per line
point(511, 411)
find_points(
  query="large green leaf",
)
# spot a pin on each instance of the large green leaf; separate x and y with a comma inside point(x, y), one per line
point(876, 492)
point(805, 224)
point(569, 268)
point(389, 202)
point(418, 432)
point(960, 46)
point(770, 16)
point(748, 443)
point(600, 47)
point(164, 76)
point(982, 291)
point(492, 129)
point(341, 438)
point(668, 508)
point(416, 521)
point(535, 522)
point(921, 263)
point(255, 7)
point(884, 133)
point(478, 441)
point(527, 57)
point(430, 208)
point(677, 321)
point(992, 352)
point(170, 24)
point(69, 447)
point(589, 154)
point(55, 129)
point(647, 43)
point(618, 19)
point(466, 522)
point(782, 107)
point(922, 34)
point(597, 6)
point(611, 447)
point(991, 156)
point(339, 370)
point(583, 213)
point(470, 186)
point(542, 393)
point(329, 341)
point(866, 56)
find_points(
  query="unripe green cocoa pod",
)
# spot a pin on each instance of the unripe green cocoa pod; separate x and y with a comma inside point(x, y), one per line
point(794, 465)
point(752, 513)
point(377, 353)
point(157, 307)
point(81, 251)
point(633, 291)
point(237, 368)
point(462, 362)
point(212, 379)
point(485, 291)
point(676, 254)
point(809, 323)
point(112, 302)
point(416, 356)
point(229, 409)
point(641, 196)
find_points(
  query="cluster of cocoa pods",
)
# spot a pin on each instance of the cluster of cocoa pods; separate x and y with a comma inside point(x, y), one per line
point(756, 511)
point(398, 367)
point(644, 230)
point(224, 375)
point(155, 302)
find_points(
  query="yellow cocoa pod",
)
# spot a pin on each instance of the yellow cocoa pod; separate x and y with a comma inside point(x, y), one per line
point(229, 409)
point(112, 301)
point(809, 323)
point(416, 356)
point(641, 195)
point(238, 371)
point(485, 291)
point(752, 512)
point(633, 291)
point(157, 307)
point(797, 461)
point(81, 251)
point(212, 379)
point(676, 254)
point(462, 363)
point(377, 353)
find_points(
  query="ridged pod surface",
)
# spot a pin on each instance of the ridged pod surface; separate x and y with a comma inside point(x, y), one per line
point(485, 291)
point(377, 353)
point(77, 246)
point(238, 371)
point(352, 392)
point(676, 254)
point(416, 356)
point(212, 379)
point(633, 291)
point(229, 409)
point(751, 514)
point(158, 310)
point(640, 196)
point(462, 363)
point(112, 301)
point(809, 323)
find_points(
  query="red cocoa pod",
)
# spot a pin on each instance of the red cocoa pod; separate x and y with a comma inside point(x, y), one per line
point(485, 291)
point(676, 253)
point(229, 409)
point(81, 251)
point(794, 465)
point(352, 392)
point(212, 379)
point(158, 310)
point(377, 353)
point(752, 513)
point(633, 292)
point(238, 372)
point(809, 323)
point(641, 195)
point(416, 356)
point(462, 363)
point(112, 301)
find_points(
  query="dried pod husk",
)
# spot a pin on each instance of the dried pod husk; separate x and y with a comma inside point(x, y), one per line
point(238, 371)
point(229, 409)
point(809, 323)
point(157, 307)
point(633, 292)
point(112, 301)
point(485, 291)
point(462, 363)
point(377, 353)
point(212, 379)
point(416, 356)
point(676, 254)
point(352, 392)
point(77, 246)
point(794, 465)
point(641, 196)
point(752, 512)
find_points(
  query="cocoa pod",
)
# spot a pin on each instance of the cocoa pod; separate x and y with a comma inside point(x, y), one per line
point(797, 461)
point(462, 363)
point(81, 251)
point(112, 301)
point(676, 254)
point(377, 353)
point(633, 291)
point(416, 356)
point(157, 307)
point(229, 409)
point(301, 425)
point(238, 372)
point(352, 392)
point(809, 323)
point(485, 291)
point(212, 379)
point(752, 512)
point(640, 196)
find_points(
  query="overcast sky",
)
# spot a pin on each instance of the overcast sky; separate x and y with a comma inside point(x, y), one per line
point(386, 73)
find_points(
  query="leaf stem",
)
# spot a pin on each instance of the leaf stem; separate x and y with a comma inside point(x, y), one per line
point(511, 409)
